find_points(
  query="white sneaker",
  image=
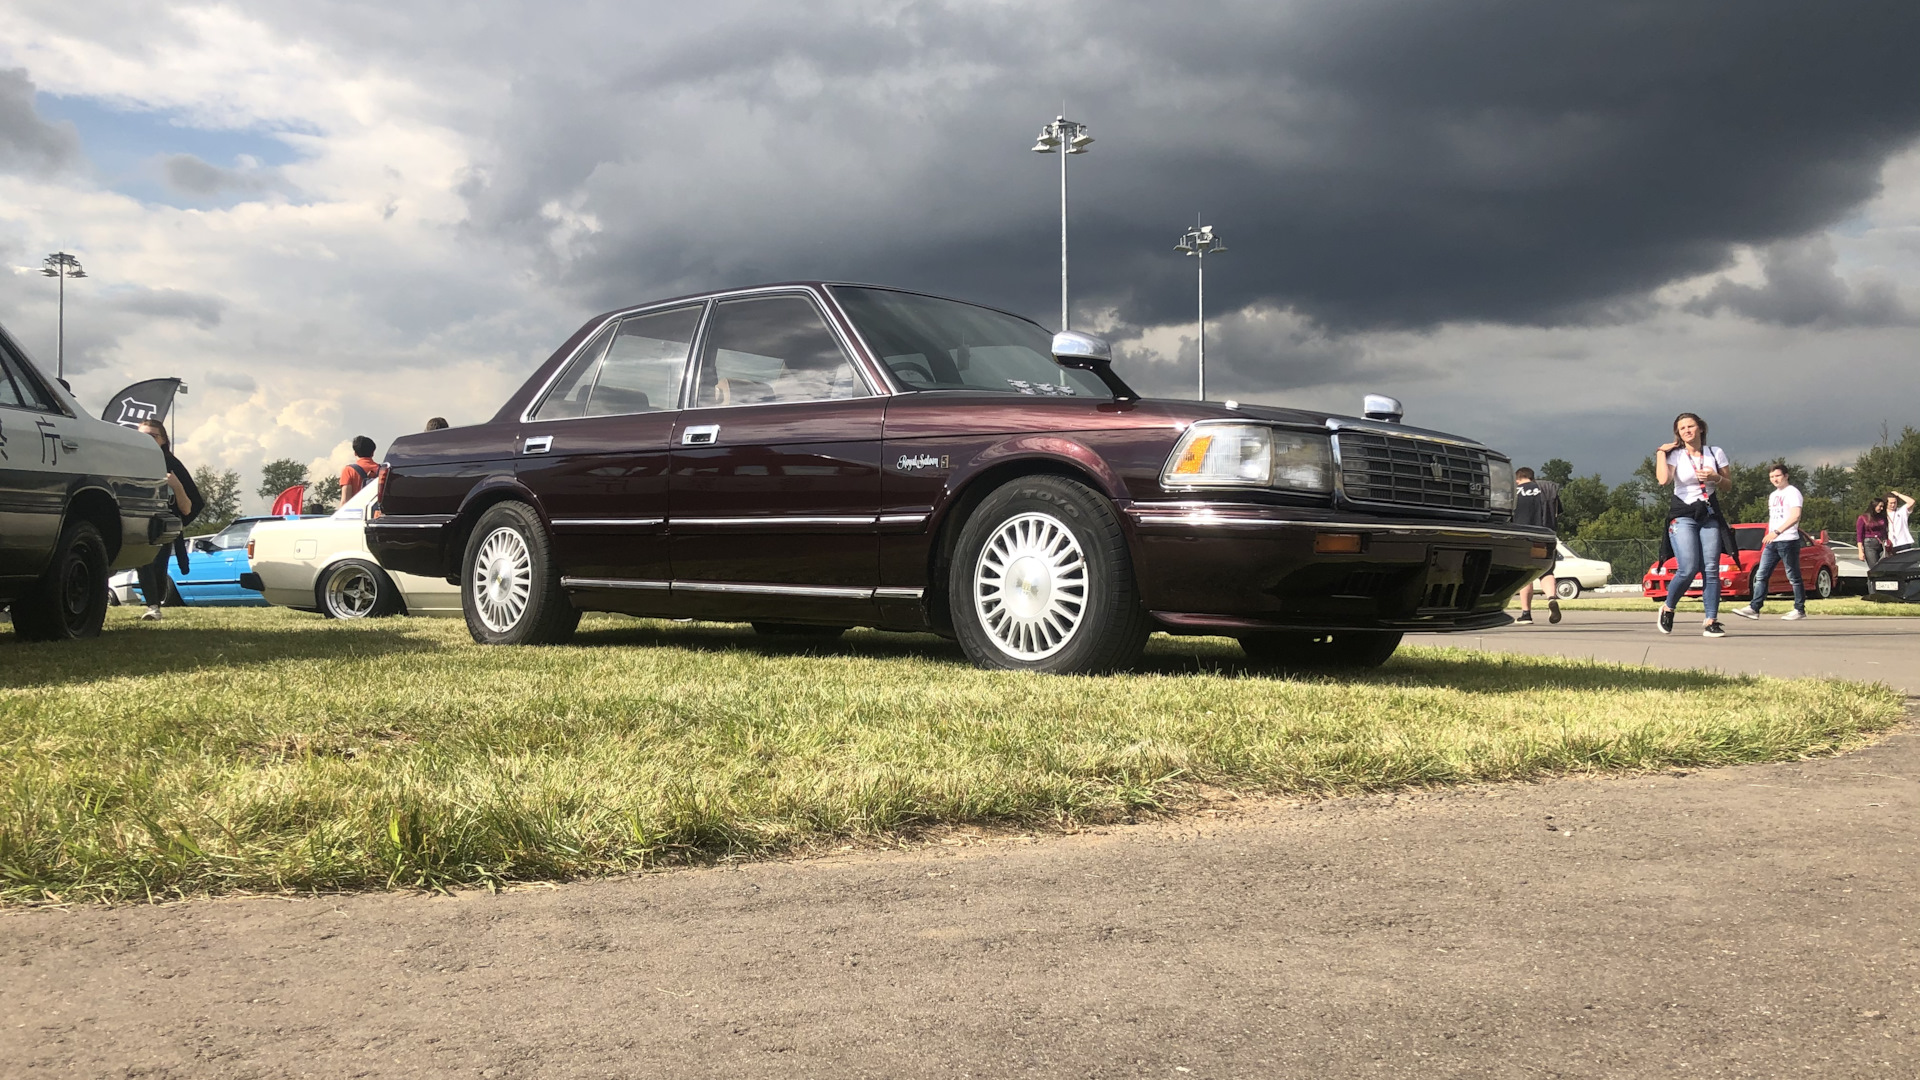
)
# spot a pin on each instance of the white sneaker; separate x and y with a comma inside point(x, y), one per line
point(1792, 615)
point(152, 613)
point(1746, 613)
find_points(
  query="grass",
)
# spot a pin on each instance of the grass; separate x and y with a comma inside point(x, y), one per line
point(265, 750)
point(1776, 605)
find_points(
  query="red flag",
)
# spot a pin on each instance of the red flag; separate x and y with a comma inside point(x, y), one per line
point(288, 502)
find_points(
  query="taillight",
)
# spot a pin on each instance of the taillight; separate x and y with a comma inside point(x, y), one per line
point(249, 549)
point(379, 492)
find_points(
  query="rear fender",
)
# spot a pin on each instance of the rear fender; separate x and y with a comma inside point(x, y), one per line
point(493, 490)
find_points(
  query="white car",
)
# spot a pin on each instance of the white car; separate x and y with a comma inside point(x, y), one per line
point(1572, 573)
point(1849, 567)
point(321, 564)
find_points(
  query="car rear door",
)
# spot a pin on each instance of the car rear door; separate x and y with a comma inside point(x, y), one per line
point(39, 454)
point(596, 449)
point(776, 469)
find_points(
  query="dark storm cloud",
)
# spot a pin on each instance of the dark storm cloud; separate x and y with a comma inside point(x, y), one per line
point(1803, 289)
point(1378, 164)
point(29, 144)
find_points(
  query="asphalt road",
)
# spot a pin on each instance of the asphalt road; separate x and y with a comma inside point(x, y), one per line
point(1749, 922)
point(1873, 648)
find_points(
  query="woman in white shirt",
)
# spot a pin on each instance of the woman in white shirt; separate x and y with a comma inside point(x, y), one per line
point(1697, 472)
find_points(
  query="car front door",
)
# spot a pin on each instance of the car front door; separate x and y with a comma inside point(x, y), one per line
point(595, 452)
point(38, 462)
point(776, 470)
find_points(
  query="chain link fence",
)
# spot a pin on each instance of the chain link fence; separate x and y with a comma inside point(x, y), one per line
point(1630, 558)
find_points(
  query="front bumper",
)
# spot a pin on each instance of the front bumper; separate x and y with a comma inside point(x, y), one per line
point(1225, 568)
point(1896, 578)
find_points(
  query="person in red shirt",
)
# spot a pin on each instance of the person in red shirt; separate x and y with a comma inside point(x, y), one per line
point(361, 470)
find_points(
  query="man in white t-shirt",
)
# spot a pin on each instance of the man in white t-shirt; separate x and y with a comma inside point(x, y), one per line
point(1781, 544)
point(1899, 527)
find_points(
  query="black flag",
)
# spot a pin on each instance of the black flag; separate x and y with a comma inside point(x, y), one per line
point(149, 400)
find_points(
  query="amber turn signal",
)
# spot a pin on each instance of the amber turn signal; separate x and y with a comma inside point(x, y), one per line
point(1541, 551)
point(1336, 543)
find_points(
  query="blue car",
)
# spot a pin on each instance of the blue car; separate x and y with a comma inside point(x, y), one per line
point(214, 566)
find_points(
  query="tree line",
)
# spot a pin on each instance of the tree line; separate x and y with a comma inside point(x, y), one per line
point(221, 489)
point(1835, 494)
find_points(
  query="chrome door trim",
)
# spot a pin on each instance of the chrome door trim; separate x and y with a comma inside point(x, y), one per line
point(611, 583)
point(762, 519)
point(898, 593)
point(902, 519)
point(562, 523)
point(823, 592)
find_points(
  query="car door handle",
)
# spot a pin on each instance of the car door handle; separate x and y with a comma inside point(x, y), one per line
point(539, 444)
point(700, 435)
point(69, 444)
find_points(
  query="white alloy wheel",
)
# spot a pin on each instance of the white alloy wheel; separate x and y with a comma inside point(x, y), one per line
point(1030, 586)
point(352, 592)
point(502, 579)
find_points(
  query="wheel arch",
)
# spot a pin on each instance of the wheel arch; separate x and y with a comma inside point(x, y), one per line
point(93, 504)
point(484, 496)
point(953, 515)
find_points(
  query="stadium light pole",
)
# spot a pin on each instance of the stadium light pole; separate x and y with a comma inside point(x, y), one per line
point(63, 266)
point(1199, 242)
point(1065, 137)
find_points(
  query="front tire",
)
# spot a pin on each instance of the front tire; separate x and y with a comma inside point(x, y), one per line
point(1307, 650)
point(510, 586)
point(1042, 581)
point(356, 589)
point(1567, 588)
point(70, 599)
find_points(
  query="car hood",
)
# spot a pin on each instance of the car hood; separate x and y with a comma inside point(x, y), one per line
point(1191, 411)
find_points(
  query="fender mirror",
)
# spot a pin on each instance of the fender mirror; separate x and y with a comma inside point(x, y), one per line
point(1084, 352)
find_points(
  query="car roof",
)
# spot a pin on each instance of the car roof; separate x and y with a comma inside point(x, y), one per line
point(706, 294)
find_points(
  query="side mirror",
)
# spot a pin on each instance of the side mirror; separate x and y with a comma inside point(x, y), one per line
point(204, 546)
point(1823, 536)
point(1084, 352)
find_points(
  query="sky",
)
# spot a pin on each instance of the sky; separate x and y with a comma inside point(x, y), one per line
point(1550, 227)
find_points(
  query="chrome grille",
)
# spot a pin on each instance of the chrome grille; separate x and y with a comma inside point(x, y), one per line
point(1400, 470)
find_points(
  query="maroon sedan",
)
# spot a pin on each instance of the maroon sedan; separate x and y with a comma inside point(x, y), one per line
point(809, 457)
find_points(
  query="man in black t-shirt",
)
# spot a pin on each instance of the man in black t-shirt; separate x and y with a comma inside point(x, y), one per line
point(1537, 502)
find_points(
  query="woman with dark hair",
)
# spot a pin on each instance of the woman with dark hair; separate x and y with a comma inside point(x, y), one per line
point(154, 581)
point(1870, 532)
point(1695, 526)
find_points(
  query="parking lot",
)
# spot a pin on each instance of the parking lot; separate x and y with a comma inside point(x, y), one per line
point(1879, 648)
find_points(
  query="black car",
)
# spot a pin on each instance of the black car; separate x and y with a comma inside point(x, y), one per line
point(1896, 577)
point(79, 499)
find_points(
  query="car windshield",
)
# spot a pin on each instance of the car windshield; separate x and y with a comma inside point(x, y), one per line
point(1748, 539)
point(929, 343)
point(233, 536)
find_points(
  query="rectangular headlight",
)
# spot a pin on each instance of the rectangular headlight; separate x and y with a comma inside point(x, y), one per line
point(1500, 480)
point(1249, 455)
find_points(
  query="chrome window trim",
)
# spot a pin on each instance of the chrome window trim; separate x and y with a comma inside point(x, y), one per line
point(834, 327)
point(705, 304)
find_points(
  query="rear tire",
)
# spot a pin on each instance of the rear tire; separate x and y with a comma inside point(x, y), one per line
point(1567, 588)
point(1823, 584)
point(70, 599)
point(1307, 650)
point(510, 586)
point(355, 589)
point(1042, 581)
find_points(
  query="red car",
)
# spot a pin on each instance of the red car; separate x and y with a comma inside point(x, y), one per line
point(811, 456)
point(1819, 572)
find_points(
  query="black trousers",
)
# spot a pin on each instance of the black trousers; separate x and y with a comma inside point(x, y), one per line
point(154, 582)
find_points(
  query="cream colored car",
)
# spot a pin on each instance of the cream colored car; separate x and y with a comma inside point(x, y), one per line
point(1572, 573)
point(321, 564)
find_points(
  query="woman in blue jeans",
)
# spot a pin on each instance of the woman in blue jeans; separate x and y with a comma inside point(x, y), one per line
point(1695, 525)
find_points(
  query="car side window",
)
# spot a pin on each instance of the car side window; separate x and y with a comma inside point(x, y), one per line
point(768, 349)
point(633, 366)
point(18, 388)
